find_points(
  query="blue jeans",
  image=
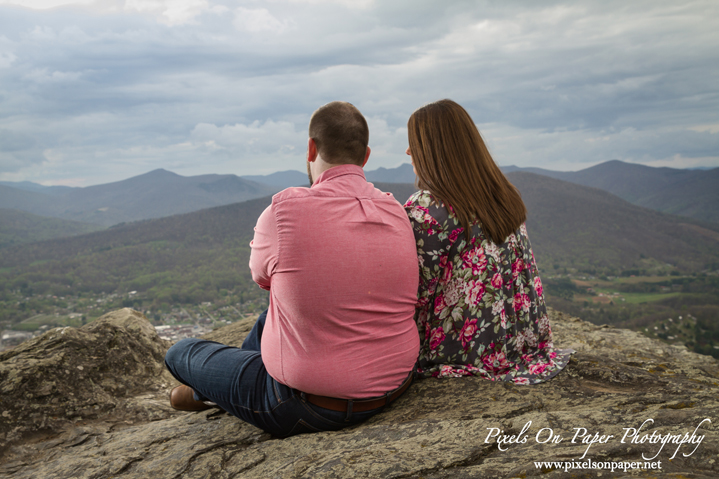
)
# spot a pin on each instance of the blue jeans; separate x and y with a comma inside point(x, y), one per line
point(237, 381)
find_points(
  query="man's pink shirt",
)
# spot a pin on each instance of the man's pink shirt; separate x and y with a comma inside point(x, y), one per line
point(340, 262)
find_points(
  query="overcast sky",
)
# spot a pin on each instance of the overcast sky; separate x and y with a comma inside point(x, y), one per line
point(93, 91)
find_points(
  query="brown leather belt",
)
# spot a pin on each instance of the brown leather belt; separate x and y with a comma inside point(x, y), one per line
point(358, 405)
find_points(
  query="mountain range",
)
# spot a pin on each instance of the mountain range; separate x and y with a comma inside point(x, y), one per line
point(160, 193)
point(589, 229)
point(152, 195)
point(156, 194)
point(187, 257)
point(692, 193)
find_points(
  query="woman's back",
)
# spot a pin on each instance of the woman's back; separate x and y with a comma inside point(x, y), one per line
point(481, 307)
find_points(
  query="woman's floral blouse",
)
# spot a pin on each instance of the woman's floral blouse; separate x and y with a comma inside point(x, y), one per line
point(480, 308)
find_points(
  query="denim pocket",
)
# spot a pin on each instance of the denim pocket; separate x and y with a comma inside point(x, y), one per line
point(327, 419)
point(302, 428)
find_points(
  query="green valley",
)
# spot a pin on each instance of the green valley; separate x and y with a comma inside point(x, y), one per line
point(677, 309)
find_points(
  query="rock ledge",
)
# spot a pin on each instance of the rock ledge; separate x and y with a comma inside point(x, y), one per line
point(91, 403)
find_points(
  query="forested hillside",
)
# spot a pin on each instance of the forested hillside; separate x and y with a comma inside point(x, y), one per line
point(19, 227)
point(192, 256)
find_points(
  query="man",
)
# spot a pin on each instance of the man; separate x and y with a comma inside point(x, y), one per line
point(338, 341)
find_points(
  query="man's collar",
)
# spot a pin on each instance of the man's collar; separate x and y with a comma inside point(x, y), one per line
point(339, 170)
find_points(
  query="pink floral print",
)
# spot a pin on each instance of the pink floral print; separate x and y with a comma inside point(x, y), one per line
point(468, 331)
point(436, 338)
point(480, 305)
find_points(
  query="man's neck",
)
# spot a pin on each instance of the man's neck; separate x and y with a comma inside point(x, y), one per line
point(319, 166)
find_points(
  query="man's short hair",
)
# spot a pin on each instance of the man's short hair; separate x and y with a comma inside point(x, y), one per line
point(340, 133)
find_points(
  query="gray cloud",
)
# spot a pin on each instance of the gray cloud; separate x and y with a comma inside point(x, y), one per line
point(103, 92)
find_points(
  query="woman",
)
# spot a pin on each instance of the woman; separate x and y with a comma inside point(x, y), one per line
point(480, 308)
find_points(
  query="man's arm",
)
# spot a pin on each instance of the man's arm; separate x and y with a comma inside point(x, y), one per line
point(263, 258)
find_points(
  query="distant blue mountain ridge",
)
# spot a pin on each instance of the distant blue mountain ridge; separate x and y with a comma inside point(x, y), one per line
point(30, 186)
point(685, 192)
point(284, 179)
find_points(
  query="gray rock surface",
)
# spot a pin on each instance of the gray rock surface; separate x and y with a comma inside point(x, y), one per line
point(617, 379)
point(109, 369)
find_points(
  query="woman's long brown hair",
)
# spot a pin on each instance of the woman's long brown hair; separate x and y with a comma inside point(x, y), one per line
point(454, 164)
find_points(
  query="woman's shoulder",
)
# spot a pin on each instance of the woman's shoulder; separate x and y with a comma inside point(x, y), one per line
point(423, 202)
point(426, 201)
point(421, 198)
